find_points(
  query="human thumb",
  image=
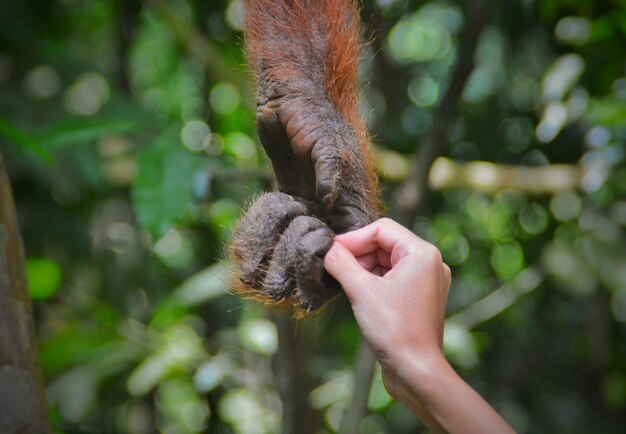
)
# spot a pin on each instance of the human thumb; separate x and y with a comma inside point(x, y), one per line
point(344, 267)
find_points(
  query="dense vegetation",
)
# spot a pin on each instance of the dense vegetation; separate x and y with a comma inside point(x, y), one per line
point(127, 128)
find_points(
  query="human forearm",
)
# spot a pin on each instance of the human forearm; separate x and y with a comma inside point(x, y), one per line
point(444, 402)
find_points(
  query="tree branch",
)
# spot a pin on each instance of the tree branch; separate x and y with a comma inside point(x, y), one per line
point(491, 177)
point(293, 382)
point(363, 374)
point(498, 300)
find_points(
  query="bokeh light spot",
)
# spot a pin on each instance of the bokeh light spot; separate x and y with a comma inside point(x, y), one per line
point(195, 135)
point(224, 98)
point(424, 91)
point(507, 260)
point(533, 219)
point(234, 15)
point(44, 278)
point(259, 335)
point(566, 205)
point(242, 147)
point(573, 30)
point(454, 248)
point(87, 95)
point(42, 82)
point(562, 77)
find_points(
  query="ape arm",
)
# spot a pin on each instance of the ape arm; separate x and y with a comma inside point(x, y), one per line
point(305, 56)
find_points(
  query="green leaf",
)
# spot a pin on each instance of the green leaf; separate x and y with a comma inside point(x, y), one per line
point(85, 131)
point(23, 140)
point(44, 277)
point(163, 188)
point(608, 111)
point(79, 344)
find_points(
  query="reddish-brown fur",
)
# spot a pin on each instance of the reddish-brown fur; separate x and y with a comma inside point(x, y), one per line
point(279, 34)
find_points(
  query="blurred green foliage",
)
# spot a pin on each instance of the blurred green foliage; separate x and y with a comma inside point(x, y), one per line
point(128, 130)
point(44, 277)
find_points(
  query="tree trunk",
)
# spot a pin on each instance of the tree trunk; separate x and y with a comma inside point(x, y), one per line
point(22, 403)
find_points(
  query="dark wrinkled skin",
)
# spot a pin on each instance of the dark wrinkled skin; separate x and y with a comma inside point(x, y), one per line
point(281, 241)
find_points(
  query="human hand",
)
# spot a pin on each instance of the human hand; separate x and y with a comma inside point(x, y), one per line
point(398, 286)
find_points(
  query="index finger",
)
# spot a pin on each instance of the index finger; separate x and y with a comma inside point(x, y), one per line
point(383, 234)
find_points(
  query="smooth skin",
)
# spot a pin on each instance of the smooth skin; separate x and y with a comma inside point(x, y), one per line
point(398, 286)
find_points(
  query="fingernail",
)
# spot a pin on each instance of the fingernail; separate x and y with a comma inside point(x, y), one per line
point(329, 200)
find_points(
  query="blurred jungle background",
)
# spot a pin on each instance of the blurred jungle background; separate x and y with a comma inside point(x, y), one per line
point(499, 130)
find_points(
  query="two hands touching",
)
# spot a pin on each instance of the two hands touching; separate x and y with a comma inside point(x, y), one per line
point(398, 286)
point(306, 72)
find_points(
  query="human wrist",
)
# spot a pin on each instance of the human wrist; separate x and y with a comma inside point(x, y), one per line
point(413, 376)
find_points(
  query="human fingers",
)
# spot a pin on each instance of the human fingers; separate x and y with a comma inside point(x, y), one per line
point(446, 276)
point(442, 291)
point(384, 258)
point(368, 261)
point(344, 267)
point(383, 234)
point(371, 260)
point(379, 271)
point(420, 261)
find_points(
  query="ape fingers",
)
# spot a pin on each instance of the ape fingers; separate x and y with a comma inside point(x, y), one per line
point(315, 285)
point(258, 232)
point(329, 170)
point(282, 279)
point(297, 266)
point(280, 251)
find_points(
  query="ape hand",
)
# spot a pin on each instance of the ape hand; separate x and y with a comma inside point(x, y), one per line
point(280, 249)
point(317, 157)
